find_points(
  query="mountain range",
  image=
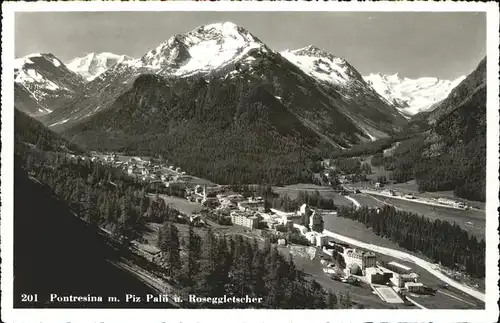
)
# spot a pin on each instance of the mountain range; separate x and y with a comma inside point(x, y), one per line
point(218, 93)
point(228, 50)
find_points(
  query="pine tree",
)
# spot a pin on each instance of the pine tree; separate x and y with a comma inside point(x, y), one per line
point(173, 257)
point(192, 266)
point(91, 211)
point(318, 295)
point(331, 300)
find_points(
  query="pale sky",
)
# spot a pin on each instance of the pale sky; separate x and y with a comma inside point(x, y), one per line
point(441, 44)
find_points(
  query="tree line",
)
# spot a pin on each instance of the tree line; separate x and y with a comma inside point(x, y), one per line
point(313, 199)
point(439, 240)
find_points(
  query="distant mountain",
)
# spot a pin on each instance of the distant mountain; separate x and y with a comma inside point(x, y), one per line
point(451, 155)
point(411, 96)
point(92, 65)
point(43, 83)
point(336, 76)
point(202, 51)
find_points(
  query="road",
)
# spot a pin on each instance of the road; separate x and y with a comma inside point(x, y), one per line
point(407, 257)
point(415, 303)
point(356, 203)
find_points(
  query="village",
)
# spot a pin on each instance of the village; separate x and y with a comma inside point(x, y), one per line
point(391, 282)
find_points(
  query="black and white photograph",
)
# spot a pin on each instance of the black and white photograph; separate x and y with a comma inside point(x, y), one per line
point(230, 159)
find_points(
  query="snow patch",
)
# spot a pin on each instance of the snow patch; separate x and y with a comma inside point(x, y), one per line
point(44, 110)
point(60, 122)
point(372, 138)
point(324, 68)
point(56, 62)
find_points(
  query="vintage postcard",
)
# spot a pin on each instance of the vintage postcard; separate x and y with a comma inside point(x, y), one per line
point(249, 161)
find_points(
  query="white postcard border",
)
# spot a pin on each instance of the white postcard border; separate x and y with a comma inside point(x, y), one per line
point(165, 315)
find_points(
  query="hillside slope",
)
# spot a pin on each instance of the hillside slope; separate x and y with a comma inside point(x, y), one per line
point(32, 134)
point(55, 252)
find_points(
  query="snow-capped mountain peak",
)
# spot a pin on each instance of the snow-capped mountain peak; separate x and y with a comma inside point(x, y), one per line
point(43, 79)
point(39, 70)
point(322, 65)
point(314, 51)
point(411, 96)
point(203, 49)
point(92, 65)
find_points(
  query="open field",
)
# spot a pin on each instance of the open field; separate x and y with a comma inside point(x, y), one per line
point(181, 204)
point(358, 231)
point(472, 221)
point(293, 190)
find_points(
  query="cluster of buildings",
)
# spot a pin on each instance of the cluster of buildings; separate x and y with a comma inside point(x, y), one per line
point(204, 194)
point(364, 265)
point(147, 170)
point(452, 203)
point(247, 212)
point(399, 281)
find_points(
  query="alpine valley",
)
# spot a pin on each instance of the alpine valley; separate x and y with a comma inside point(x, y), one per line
point(216, 167)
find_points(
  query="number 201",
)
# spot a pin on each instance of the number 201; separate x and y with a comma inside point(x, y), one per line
point(29, 298)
